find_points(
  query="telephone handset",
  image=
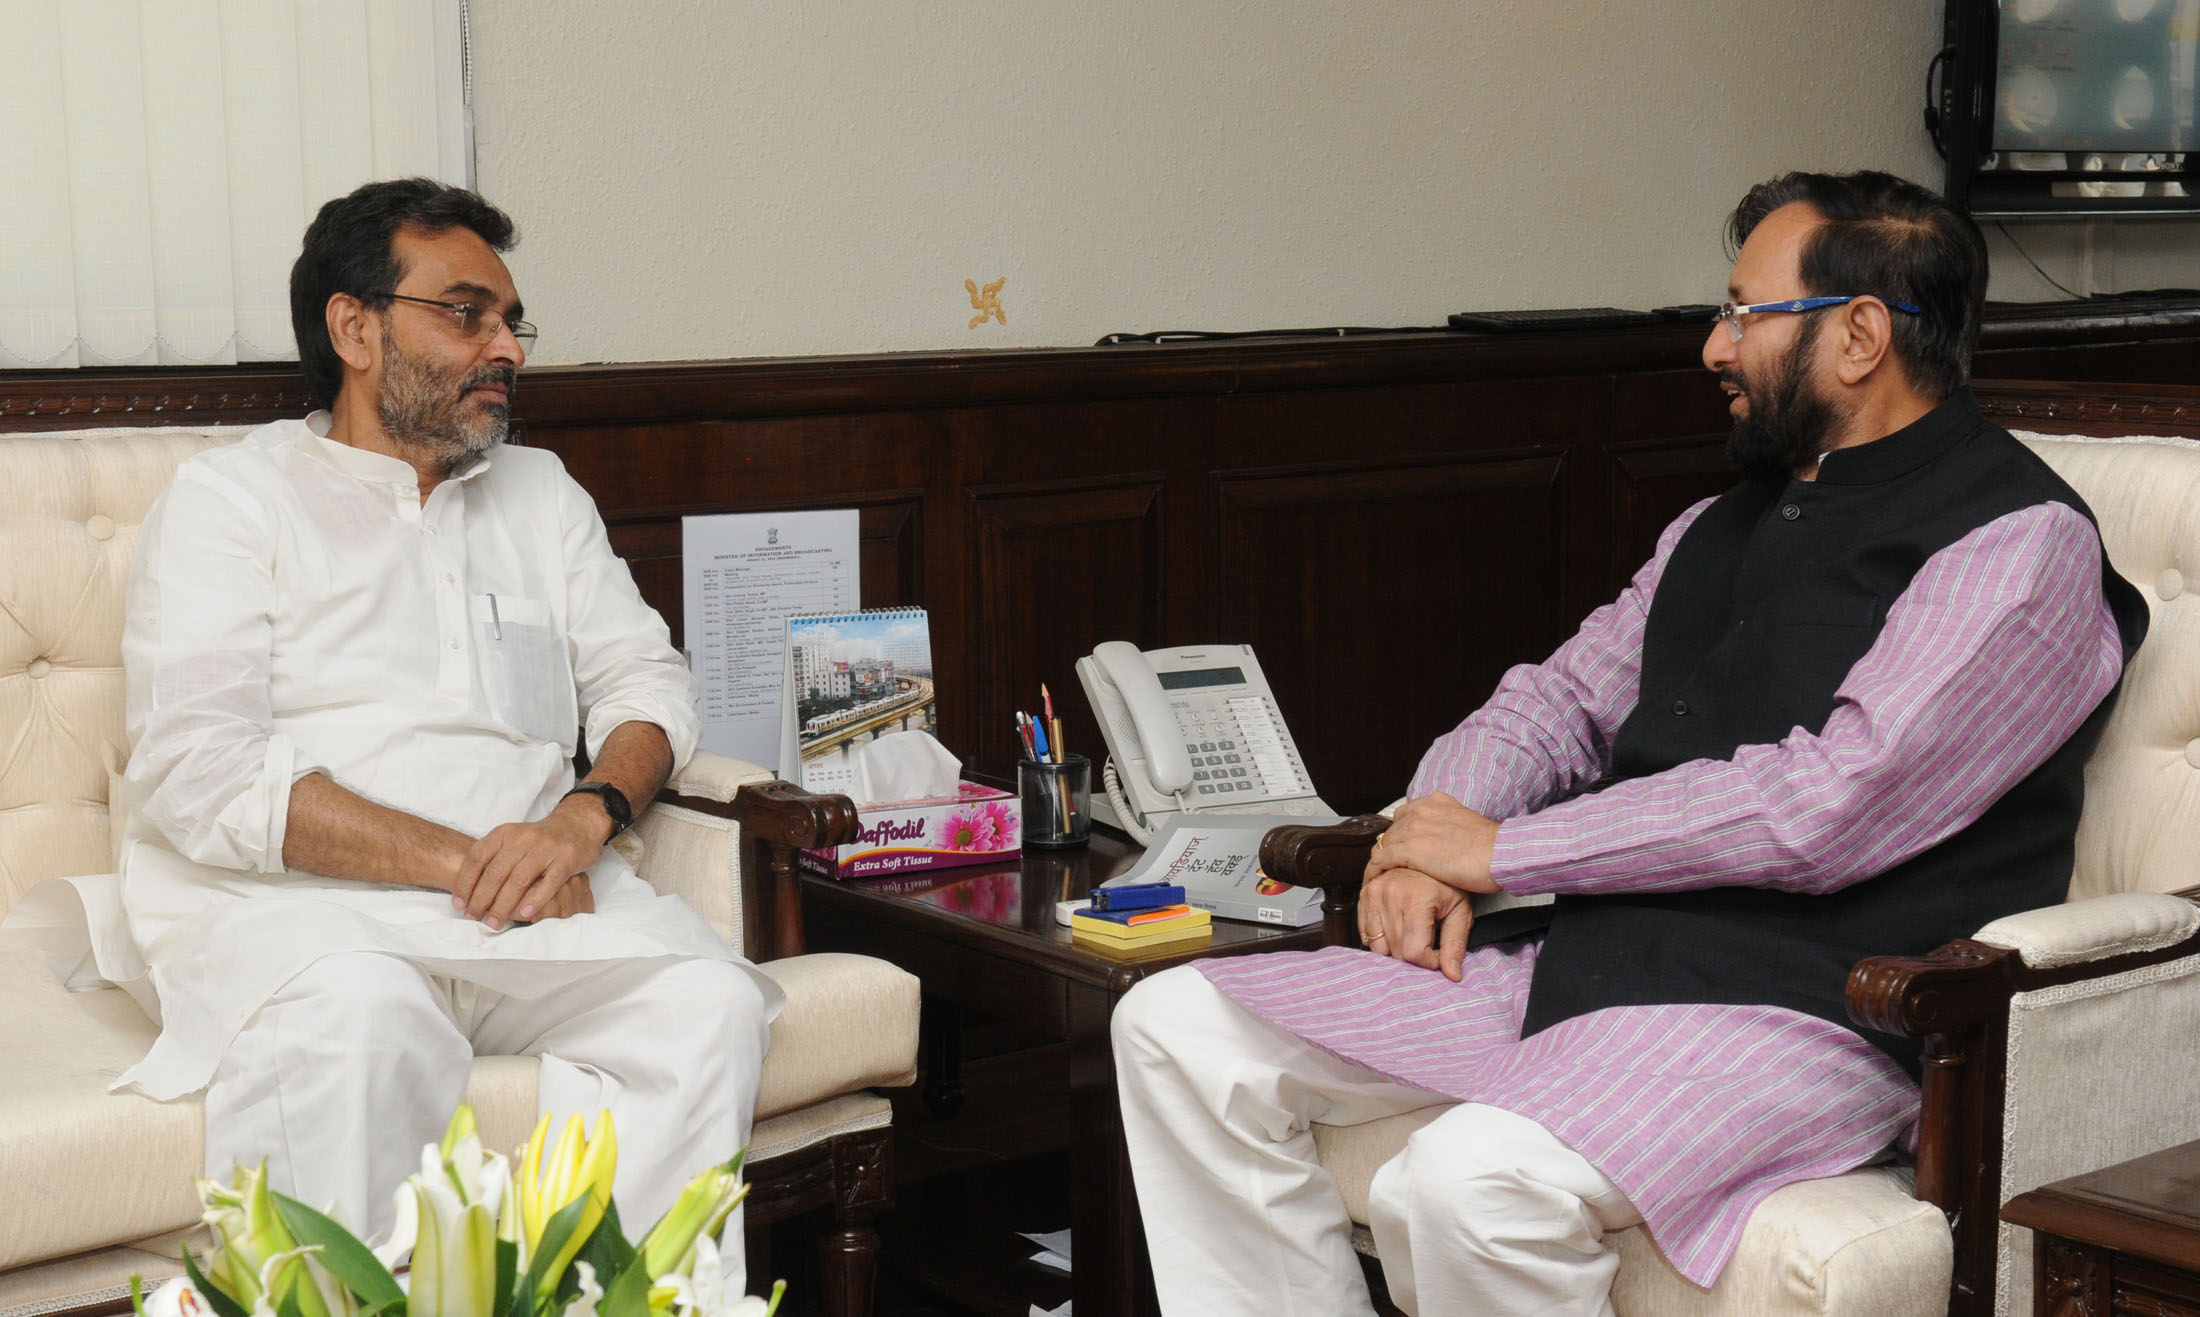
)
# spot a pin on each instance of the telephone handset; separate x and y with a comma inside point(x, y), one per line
point(1191, 729)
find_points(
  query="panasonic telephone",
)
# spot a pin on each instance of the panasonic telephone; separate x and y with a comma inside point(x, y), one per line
point(1191, 729)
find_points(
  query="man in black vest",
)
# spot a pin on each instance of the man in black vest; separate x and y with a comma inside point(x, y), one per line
point(1843, 711)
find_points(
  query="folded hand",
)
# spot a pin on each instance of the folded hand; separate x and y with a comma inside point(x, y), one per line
point(1439, 837)
point(1412, 917)
point(517, 873)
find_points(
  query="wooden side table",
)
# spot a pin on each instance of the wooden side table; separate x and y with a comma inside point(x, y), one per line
point(2121, 1240)
point(985, 938)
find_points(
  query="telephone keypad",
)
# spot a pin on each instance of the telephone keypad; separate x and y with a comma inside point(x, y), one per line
point(1226, 735)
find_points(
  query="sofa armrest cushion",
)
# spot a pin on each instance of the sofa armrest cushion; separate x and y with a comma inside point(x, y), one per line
point(850, 1022)
point(716, 777)
point(2095, 928)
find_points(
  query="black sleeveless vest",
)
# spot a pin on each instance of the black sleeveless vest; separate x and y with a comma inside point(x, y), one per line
point(1774, 592)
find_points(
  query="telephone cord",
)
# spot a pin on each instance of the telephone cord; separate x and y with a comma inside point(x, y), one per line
point(1124, 814)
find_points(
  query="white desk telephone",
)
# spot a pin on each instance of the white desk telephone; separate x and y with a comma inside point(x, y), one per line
point(1192, 729)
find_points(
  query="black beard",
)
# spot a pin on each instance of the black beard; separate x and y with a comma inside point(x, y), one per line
point(1787, 424)
point(424, 408)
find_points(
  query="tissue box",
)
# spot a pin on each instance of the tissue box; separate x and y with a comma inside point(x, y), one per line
point(978, 825)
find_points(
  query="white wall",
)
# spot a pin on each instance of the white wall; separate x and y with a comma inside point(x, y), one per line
point(720, 178)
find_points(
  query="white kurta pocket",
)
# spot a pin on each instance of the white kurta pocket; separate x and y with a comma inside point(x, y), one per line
point(525, 671)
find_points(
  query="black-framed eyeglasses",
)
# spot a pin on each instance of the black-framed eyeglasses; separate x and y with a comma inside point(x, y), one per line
point(477, 322)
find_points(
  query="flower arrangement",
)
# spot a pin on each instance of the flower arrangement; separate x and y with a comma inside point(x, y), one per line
point(482, 1243)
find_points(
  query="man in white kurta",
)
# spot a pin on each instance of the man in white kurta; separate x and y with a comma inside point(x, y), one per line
point(359, 650)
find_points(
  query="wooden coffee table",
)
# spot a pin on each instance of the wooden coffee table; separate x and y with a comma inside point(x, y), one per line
point(2121, 1240)
point(985, 938)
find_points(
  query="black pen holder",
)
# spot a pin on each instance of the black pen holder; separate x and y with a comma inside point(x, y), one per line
point(1057, 801)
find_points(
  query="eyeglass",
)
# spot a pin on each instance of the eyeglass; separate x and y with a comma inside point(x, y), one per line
point(478, 322)
point(1730, 313)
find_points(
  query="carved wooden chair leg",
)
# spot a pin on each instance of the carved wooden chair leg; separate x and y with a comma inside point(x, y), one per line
point(863, 1187)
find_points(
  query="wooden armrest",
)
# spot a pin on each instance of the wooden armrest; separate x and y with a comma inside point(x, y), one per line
point(1956, 999)
point(1332, 857)
point(779, 821)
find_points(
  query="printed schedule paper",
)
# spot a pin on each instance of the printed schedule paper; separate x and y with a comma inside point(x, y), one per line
point(743, 575)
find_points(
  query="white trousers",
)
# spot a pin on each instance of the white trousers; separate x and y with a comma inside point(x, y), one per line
point(342, 1076)
point(1484, 1212)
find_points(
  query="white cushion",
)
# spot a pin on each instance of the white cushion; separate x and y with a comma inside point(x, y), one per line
point(1854, 1244)
point(85, 1168)
point(2079, 931)
point(2142, 785)
point(70, 506)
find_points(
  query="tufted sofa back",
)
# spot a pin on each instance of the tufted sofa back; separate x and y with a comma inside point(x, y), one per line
point(2141, 827)
point(70, 506)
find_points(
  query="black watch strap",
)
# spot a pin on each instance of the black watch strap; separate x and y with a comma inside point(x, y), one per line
point(614, 803)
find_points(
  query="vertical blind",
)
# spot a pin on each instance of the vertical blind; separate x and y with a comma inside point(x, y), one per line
point(160, 159)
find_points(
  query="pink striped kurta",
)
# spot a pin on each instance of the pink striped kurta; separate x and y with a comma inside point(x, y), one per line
point(1995, 654)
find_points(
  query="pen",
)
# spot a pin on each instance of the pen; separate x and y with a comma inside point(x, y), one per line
point(1061, 781)
point(496, 623)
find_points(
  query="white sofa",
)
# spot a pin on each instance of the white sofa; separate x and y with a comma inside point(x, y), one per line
point(95, 1185)
point(2057, 1041)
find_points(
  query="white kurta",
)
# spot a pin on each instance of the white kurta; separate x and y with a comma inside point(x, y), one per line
point(294, 608)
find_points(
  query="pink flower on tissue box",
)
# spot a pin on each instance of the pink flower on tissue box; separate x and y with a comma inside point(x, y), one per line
point(978, 825)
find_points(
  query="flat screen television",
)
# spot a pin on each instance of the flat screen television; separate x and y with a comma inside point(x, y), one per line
point(2069, 107)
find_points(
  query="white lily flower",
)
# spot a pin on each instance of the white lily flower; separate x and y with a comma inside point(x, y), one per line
point(177, 1297)
point(702, 1292)
point(584, 1303)
point(454, 1257)
point(272, 1279)
point(460, 1164)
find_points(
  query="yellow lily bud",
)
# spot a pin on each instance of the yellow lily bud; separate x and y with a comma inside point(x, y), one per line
point(580, 1169)
point(529, 1188)
point(461, 1126)
point(701, 1209)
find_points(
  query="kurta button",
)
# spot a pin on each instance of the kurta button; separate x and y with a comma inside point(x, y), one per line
point(454, 644)
point(2192, 753)
point(1680, 708)
point(2170, 584)
point(99, 527)
point(1791, 512)
point(37, 669)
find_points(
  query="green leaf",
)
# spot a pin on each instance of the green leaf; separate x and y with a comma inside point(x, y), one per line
point(607, 1250)
point(556, 1233)
point(223, 1305)
point(137, 1294)
point(287, 1306)
point(342, 1255)
point(507, 1274)
point(626, 1296)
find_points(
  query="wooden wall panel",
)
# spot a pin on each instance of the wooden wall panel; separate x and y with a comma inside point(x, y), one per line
point(1056, 567)
point(1391, 520)
point(1385, 600)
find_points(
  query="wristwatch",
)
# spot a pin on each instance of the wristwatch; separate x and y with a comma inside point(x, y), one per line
point(614, 803)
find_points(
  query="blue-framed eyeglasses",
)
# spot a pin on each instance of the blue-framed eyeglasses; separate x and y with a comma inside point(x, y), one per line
point(1731, 313)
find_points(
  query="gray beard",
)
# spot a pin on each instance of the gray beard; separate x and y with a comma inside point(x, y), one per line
point(424, 410)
